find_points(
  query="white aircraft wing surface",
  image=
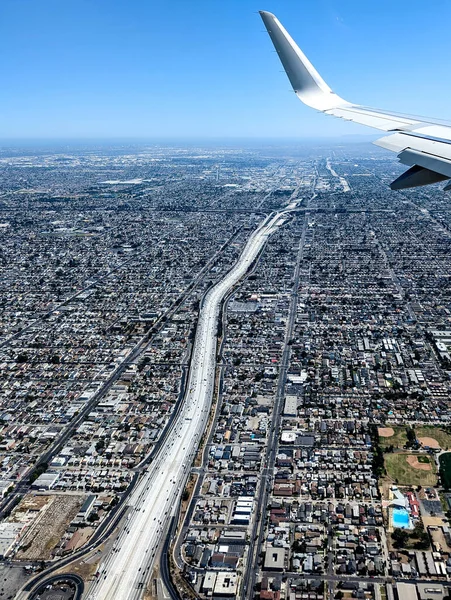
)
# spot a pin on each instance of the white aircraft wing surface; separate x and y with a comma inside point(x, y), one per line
point(422, 145)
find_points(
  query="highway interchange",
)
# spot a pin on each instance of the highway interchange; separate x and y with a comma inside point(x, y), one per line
point(126, 569)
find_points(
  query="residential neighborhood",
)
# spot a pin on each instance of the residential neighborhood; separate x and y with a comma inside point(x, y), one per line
point(324, 468)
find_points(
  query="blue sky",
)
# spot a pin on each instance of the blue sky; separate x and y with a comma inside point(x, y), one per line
point(206, 68)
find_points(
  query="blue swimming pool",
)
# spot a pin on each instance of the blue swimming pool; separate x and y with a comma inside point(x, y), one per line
point(400, 518)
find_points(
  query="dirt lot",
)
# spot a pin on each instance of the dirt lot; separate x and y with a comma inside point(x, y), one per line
point(437, 535)
point(30, 503)
point(432, 521)
point(49, 526)
point(83, 569)
point(79, 538)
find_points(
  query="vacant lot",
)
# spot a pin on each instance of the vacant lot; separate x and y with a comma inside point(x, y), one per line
point(406, 469)
point(48, 527)
point(438, 536)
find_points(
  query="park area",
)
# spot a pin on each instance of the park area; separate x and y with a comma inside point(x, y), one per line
point(428, 436)
point(434, 437)
point(411, 469)
point(392, 436)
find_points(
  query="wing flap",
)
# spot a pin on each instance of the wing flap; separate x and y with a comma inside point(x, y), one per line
point(427, 161)
point(415, 177)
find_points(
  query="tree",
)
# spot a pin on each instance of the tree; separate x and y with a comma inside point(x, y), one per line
point(39, 470)
point(411, 436)
point(299, 546)
point(400, 538)
point(93, 517)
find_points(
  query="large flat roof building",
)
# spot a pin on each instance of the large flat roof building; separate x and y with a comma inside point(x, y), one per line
point(274, 559)
point(290, 408)
point(226, 584)
point(407, 591)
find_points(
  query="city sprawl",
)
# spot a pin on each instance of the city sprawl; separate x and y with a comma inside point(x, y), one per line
point(235, 362)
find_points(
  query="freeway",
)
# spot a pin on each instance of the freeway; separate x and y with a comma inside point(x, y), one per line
point(126, 569)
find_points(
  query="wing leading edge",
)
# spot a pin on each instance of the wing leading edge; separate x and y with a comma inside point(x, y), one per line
point(422, 145)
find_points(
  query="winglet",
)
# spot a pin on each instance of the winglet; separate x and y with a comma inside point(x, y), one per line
point(308, 84)
point(419, 143)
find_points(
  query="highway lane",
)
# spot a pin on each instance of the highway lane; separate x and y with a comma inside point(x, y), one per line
point(126, 569)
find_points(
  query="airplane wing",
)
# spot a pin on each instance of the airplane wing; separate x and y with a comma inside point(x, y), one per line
point(422, 145)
